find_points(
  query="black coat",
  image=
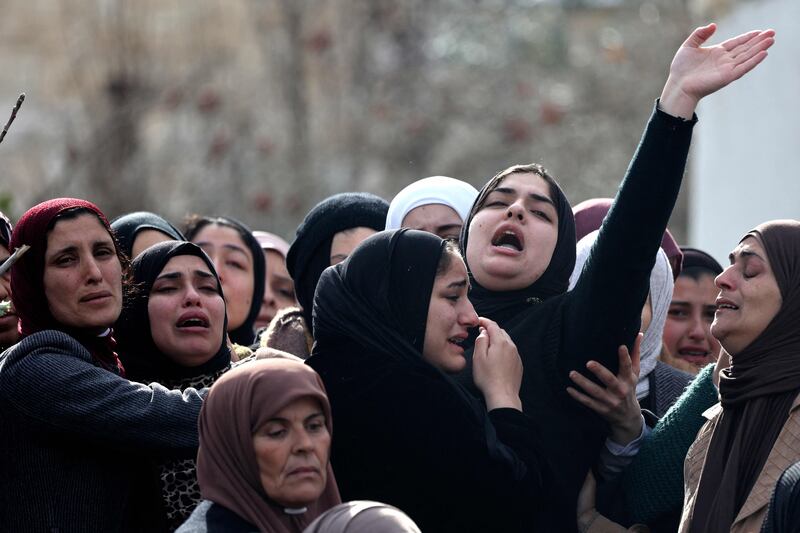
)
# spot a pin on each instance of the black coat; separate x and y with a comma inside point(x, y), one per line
point(558, 333)
point(402, 437)
point(405, 433)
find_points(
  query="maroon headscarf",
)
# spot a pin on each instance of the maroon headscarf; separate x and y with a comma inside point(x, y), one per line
point(239, 403)
point(27, 279)
point(589, 215)
point(756, 391)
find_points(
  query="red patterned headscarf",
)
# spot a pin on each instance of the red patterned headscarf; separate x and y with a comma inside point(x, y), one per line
point(27, 278)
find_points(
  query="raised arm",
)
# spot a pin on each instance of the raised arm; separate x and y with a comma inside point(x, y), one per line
point(605, 307)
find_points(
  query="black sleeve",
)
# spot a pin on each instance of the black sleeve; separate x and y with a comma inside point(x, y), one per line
point(604, 309)
point(486, 457)
point(46, 381)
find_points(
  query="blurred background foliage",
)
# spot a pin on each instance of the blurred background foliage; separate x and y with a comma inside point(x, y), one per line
point(260, 108)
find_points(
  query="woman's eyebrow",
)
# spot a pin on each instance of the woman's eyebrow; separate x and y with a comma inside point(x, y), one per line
point(462, 283)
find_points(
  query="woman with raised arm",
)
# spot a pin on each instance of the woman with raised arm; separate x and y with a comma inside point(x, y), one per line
point(73, 430)
point(519, 243)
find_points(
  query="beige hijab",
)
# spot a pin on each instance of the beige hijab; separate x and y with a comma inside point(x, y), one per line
point(239, 403)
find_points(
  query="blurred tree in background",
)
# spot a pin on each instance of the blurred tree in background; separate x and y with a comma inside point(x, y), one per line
point(260, 108)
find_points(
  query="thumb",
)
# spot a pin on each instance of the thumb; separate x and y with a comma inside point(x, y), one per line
point(482, 342)
point(700, 35)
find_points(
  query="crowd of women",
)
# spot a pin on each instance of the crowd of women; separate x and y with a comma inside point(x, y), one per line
point(478, 351)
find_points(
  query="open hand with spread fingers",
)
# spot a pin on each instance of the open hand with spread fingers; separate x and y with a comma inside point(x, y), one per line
point(697, 71)
point(616, 402)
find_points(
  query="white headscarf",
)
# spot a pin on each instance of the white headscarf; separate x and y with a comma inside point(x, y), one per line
point(661, 286)
point(451, 192)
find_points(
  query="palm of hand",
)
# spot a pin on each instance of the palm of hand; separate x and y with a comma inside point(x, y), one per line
point(704, 70)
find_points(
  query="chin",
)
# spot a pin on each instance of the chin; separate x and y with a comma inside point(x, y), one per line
point(454, 365)
point(301, 497)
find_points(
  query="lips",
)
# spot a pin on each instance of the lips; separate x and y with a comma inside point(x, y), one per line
point(458, 341)
point(724, 303)
point(304, 470)
point(192, 319)
point(95, 296)
point(509, 237)
point(694, 354)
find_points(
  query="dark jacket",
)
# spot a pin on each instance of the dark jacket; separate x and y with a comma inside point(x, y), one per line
point(560, 333)
point(75, 436)
point(404, 438)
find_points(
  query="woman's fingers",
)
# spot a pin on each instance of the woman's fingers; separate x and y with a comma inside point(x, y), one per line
point(762, 41)
point(598, 407)
point(700, 35)
point(740, 40)
point(481, 343)
point(743, 68)
point(606, 376)
point(588, 386)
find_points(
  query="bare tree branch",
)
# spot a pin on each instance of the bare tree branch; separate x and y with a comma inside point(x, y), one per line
point(13, 116)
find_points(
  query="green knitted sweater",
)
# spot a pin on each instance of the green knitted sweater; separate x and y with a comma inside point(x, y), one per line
point(653, 483)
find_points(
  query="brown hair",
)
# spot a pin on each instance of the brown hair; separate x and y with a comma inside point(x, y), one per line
point(449, 251)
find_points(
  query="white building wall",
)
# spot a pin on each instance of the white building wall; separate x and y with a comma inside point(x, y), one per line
point(746, 155)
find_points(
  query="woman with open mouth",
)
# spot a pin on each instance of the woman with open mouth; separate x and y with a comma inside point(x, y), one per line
point(390, 325)
point(76, 435)
point(519, 244)
point(172, 331)
point(751, 435)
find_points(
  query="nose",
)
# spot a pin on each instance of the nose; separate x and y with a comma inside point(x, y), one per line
point(468, 317)
point(269, 296)
point(516, 210)
point(696, 330)
point(302, 441)
point(725, 279)
point(92, 271)
point(191, 297)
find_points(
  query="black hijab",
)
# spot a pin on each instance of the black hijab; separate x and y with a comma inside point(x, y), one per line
point(310, 252)
point(501, 306)
point(127, 227)
point(245, 334)
point(379, 296)
point(370, 315)
point(142, 359)
point(756, 391)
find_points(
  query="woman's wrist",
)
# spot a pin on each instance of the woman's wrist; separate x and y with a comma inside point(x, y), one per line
point(674, 101)
point(625, 433)
point(502, 400)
